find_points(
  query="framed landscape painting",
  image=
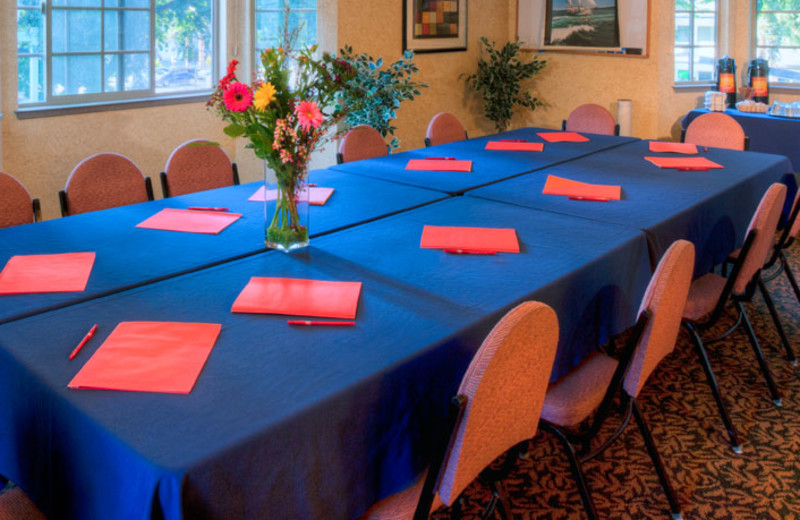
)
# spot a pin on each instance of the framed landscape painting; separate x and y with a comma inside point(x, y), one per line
point(575, 24)
point(434, 25)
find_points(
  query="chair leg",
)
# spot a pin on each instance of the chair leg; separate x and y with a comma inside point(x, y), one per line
point(777, 320)
point(773, 389)
point(503, 506)
point(674, 505)
point(790, 275)
point(577, 472)
point(736, 446)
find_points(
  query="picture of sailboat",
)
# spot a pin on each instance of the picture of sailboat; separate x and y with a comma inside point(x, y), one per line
point(580, 7)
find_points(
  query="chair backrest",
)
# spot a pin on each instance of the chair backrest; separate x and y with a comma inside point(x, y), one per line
point(197, 165)
point(16, 204)
point(795, 229)
point(665, 299)
point(765, 224)
point(444, 128)
point(505, 386)
point(102, 181)
point(716, 130)
point(592, 119)
point(361, 142)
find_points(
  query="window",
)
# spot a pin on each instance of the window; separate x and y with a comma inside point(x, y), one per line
point(88, 51)
point(695, 40)
point(278, 21)
point(778, 39)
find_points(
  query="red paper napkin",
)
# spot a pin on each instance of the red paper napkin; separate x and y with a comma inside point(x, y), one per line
point(436, 165)
point(664, 146)
point(560, 186)
point(563, 137)
point(470, 239)
point(299, 297)
point(684, 162)
point(46, 273)
point(515, 146)
point(190, 221)
point(145, 356)
point(316, 196)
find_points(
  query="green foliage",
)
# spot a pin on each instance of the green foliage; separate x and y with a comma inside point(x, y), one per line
point(500, 79)
point(184, 21)
point(375, 93)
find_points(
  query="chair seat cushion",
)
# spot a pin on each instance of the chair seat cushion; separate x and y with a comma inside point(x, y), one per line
point(703, 296)
point(15, 505)
point(402, 505)
point(575, 396)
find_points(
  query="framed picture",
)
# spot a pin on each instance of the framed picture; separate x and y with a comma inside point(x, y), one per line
point(434, 25)
point(577, 24)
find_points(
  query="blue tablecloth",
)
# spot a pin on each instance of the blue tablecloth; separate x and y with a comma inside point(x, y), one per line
point(300, 422)
point(487, 165)
point(768, 134)
point(128, 256)
point(710, 208)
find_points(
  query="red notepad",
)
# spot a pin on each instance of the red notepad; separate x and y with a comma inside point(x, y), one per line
point(46, 273)
point(664, 146)
point(146, 356)
point(439, 165)
point(563, 137)
point(299, 297)
point(515, 146)
point(560, 186)
point(316, 196)
point(190, 221)
point(470, 239)
point(699, 163)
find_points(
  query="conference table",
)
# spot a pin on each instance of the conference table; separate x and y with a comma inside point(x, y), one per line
point(300, 422)
point(488, 166)
point(710, 208)
point(320, 422)
point(128, 256)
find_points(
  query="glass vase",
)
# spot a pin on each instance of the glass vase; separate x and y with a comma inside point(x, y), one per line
point(286, 208)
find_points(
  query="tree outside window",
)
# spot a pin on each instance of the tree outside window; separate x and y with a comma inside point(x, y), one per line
point(695, 40)
point(777, 38)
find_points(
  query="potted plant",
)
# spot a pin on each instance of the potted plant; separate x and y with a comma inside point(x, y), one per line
point(376, 92)
point(500, 81)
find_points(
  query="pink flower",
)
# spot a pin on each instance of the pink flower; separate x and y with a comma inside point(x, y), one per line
point(308, 115)
point(237, 97)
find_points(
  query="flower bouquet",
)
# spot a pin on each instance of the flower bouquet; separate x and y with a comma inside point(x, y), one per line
point(285, 115)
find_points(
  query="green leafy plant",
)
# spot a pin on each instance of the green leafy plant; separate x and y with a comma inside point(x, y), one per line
point(375, 93)
point(500, 79)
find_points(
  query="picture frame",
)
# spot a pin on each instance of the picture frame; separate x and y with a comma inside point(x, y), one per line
point(434, 25)
point(582, 24)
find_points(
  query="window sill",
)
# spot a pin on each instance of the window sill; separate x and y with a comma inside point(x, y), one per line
point(34, 112)
point(692, 87)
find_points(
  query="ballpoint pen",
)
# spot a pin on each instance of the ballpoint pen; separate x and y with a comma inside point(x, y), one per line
point(83, 342)
point(470, 251)
point(596, 199)
point(203, 208)
point(310, 323)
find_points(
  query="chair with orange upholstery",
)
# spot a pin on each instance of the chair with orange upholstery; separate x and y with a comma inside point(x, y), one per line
point(710, 293)
point(15, 505)
point(361, 142)
point(16, 204)
point(497, 408)
point(786, 239)
point(716, 130)
point(197, 165)
point(444, 128)
point(592, 119)
point(597, 380)
point(102, 181)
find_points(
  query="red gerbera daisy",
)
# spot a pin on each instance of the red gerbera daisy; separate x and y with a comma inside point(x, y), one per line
point(237, 97)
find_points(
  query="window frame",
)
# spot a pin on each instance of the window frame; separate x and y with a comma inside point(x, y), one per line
point(110, 100)
point(754, 43)
point(692, 46)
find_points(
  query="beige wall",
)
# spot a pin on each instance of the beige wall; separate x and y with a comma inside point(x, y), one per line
point(42, 152)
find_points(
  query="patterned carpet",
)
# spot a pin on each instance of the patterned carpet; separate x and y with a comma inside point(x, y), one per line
point(712, 482)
